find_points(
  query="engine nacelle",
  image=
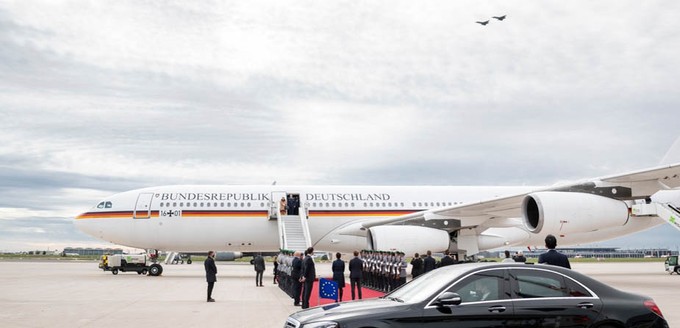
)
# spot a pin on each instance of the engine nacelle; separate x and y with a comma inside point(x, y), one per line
point(552, 212)
point(408, 239)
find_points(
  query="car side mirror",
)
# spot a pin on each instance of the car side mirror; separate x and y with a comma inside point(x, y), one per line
point(449, 298)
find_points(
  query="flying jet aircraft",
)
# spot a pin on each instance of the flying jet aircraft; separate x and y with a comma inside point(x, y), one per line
point(466, 220)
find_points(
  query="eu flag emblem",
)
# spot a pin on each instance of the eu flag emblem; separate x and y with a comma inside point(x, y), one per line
point(328, 289)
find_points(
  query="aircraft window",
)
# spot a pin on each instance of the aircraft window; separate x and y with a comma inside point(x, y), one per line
point(174, 204)
point(207, 204)
point(261, 204)
point(181, 204)
point(402, 204)
point(333, 204)
point(202, 204)
point(228, 204)
point(420, 204)
point(339, 204)
point(248, 204)
point(222, 204)
point(100, 205)
point(328, 205)
point(108, 205)
point(384, 205)
point(243, 205)
point(365, 205)
point(195, 204)
point(161, 204)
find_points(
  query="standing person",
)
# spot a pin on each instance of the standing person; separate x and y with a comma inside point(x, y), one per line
point(276, 270)
point(416, 265)
point(552, 256)
point(307, 277)
point(402, 269)
point(338, 268)
point(210, 273)
point(446, 260)
point(295, 275)
point(258, 262)
point(289, 204)
point(429, 263)
point(282, 206)
point(520, 257)
point(507, 258)
point(356, 266)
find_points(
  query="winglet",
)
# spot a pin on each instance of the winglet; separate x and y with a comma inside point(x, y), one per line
point(673, 154)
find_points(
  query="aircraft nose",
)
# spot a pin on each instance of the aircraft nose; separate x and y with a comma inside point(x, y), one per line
point(83, 224)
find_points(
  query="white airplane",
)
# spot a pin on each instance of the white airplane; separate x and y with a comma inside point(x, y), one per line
point(466, 220)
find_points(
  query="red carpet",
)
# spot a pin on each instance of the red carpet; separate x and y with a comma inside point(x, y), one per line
point(346, 296)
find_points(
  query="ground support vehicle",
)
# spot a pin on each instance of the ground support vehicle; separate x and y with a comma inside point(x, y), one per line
point(129, 263)
point(671, 264)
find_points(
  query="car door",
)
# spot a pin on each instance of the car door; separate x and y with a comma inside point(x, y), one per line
point(545, 298)
point(486, 302)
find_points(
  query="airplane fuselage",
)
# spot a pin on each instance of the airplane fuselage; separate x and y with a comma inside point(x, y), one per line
point(243, 218)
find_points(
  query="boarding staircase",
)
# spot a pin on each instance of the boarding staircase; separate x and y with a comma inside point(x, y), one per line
point(666, 211)
point(294, 232)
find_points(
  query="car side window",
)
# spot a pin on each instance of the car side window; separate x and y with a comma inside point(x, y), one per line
point(483, 286)
point(576, 290)
point(538, 284)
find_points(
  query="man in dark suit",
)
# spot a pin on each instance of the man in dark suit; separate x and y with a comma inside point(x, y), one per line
point(356, 266)
point(446, 260)
point(552, 256)
point(429, 263)
point(210, 273)
point(416, 265)
point(258, 262)
point(338, 268)
point(308, 275)
point(296, 270)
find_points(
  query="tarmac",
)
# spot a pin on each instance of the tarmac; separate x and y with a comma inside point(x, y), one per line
point(78, 294)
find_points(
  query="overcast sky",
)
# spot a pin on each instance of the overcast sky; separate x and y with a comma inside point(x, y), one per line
point(105, 96)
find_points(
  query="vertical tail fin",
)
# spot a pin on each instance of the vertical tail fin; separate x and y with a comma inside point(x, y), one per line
point(673, 154)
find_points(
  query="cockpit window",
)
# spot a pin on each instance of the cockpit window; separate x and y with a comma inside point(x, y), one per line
point(105, 205)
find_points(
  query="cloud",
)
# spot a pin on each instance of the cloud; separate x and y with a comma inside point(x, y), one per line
point(107, 97)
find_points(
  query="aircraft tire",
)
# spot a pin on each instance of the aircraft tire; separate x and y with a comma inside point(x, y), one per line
point(155, 270)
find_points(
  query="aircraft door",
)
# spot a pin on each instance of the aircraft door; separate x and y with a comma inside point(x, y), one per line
point(275, 207)
point(143, 206)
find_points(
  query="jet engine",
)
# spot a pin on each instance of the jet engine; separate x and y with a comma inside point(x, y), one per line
point(571, 212)
point(408, 239)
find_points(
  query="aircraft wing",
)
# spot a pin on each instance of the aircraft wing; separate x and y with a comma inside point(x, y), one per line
point(505, 211)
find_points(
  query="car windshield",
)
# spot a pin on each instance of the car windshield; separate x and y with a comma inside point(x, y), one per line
point(426, 285)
